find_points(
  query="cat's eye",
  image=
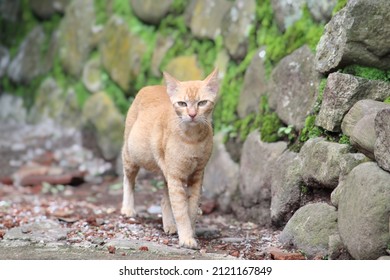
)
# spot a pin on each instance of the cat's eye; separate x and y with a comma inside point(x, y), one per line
point(182, 104)
point(202, 103)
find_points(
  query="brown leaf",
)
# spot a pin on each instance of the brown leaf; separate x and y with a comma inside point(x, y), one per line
point(111, 249)
point(278, 254)
point(143, 248)
point(2, 233)
point(234, 253)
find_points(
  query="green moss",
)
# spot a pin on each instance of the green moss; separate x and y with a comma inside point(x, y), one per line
point(303, 31)
point(116, 93)
point(344, 139)
point(367, 72)
point(101, 15)
point(340, 4)
point(387, 100)
point(310, 130)
point(178, 6)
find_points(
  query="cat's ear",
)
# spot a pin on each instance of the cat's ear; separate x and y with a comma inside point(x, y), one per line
point(171, 83)
point(212, 82)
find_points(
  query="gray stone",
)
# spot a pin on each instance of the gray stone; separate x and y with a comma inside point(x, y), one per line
point(28, 62)
point(337, 250)
point(221, 175)
point(294, 87)
point(356, 35)
point(44, 231)
point(163, 44)
point(324, 162)
point(321, 10)
point(382, 143)
point(204, 17)
point(285, 188)
point(256, 164)
point(236, 25)
point(151, 11)
point(358, 111)
point(12, 110)
point(384, 258)
point(255, 85)
point(287, 12)
point(92, 75)
point(10, 10)
point(364, 210)
point(107, 123)
point(52, 102)
point(76, 36)
point(310, 228)
point(121, 52)
point(47, 8)
point(4, 60)
point(341, 92)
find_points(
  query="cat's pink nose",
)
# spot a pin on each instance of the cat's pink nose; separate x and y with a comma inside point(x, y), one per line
point(192, 115)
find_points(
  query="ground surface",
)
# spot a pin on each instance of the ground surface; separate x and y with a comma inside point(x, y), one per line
point(83, 222)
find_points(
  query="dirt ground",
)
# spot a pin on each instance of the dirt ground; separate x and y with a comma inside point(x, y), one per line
point(90, 213)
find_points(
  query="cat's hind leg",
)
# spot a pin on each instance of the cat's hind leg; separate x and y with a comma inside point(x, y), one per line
point(130, 171)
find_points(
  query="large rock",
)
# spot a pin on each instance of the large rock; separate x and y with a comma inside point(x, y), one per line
point(101, 115)
point(256, 164)
point(28, 62)
point(356, 35)
point(204, 17)
point(4, 60)
point(151, 11)
point(122, 52)
point(236, 25)
point(341, 92)
point(287, 12)
point(52, 102)
point(285, 187)
point(359, 122)
point(324, 162)
point(184, 68)
point(321, 10)
point(221, 175)
point(47, 8)
point(76, 35)
point(382, 143)
point(255, 85)
point(295, 87)
point(364, 210)
point(310, 228)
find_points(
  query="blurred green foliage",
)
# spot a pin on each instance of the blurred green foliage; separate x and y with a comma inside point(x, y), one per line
point(340, 4)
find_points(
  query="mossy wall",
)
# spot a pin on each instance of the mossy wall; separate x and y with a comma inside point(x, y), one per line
point(263, 33)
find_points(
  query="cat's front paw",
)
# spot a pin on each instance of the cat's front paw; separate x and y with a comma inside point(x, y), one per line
point(128, 212)
point(189, 243)
point(170, 229)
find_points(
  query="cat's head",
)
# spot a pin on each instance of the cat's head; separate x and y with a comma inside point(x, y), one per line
point(193, 101)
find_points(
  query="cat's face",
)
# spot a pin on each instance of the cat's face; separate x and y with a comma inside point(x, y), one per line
point(193, 101)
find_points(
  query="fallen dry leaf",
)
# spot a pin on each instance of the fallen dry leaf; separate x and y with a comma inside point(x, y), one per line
point(278, 254)
point(143, 248)
point(111, 249)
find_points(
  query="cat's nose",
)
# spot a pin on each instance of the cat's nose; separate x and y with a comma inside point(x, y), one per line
point(192, 114)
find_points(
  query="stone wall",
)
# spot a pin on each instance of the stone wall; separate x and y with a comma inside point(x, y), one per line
point(315, 81)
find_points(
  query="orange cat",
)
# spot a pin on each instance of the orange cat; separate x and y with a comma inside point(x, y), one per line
point(168, 130)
